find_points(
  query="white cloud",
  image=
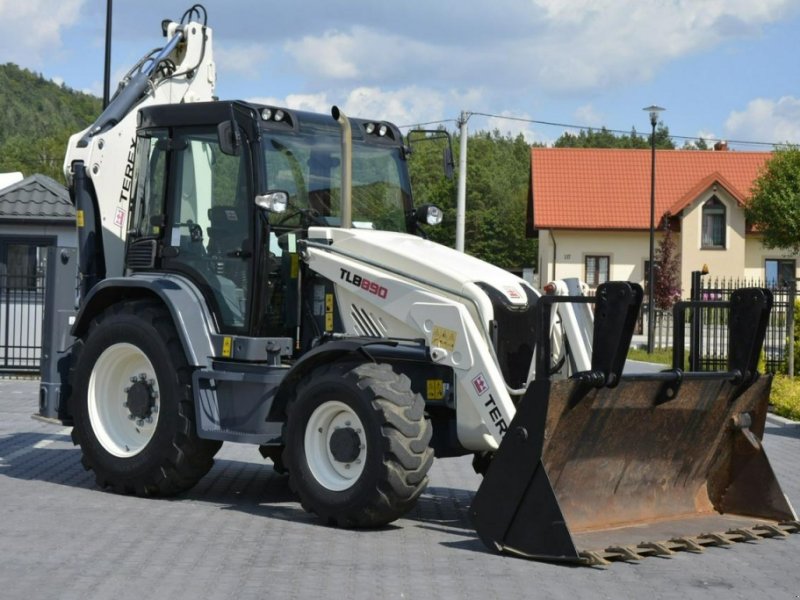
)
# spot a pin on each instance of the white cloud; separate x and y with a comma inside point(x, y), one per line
point(513, 127)
point(405, 106)
point(30, 30)
point(247, 60)
point(587, 115)
point(766, 120)
point(589, 44)
point(552, 45)
point(318, 103)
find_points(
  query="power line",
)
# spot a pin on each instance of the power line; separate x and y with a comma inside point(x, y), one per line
point(429, 123)
point(617, 131)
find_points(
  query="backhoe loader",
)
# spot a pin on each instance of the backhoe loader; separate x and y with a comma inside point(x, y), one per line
point(251, 273)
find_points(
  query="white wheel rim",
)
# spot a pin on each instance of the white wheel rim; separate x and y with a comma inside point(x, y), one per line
point(329, 472)
point(109, 416)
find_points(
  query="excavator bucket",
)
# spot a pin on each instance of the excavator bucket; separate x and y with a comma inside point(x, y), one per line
point(607, 467)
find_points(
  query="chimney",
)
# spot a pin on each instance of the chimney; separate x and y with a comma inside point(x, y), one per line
point(721, 146)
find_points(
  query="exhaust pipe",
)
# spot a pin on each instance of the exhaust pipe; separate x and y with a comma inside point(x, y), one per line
point(347, 167)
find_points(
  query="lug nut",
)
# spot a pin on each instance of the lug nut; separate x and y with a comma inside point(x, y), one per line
point(133, 379)
point(139, 423)
point(149, 419)
point(131, 417)
point(154, 410)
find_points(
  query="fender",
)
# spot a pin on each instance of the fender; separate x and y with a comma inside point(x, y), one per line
point(184, 301)
point(358, 348)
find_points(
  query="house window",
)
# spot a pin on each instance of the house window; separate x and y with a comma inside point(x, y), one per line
point(779, 273)
point(713, 224)
point(597, 268)
point(22, 262)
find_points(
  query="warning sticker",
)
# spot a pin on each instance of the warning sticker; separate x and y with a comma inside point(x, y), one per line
point(443, 338)
point(435, 389)
point(119, 217)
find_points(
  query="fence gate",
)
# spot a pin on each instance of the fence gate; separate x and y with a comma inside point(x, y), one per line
point(21, 310)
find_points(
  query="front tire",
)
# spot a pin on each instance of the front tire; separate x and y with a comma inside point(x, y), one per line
point(357, 444)
point(132, 404)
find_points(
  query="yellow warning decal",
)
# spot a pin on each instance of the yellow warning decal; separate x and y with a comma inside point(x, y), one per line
point(435, 389)
point(443, 338)
point(227, 346)
point(79, 218)
point(295, 266)
point(328, 321)
point(328, 302)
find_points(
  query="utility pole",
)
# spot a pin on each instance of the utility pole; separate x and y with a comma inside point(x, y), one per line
point(107, 67)
point(461, 201)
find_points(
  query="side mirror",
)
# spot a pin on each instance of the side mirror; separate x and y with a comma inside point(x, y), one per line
point(274, 202)
point(230, 140)
point(429, 214)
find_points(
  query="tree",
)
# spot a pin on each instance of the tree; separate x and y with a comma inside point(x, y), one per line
point(666, 272)
point(498, 178)
point(774, 206)
point(603, 138)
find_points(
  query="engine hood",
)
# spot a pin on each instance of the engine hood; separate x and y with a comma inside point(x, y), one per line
point(423, 259)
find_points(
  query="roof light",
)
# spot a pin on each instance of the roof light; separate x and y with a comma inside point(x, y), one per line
point(370, 127)
point(279, 114)
point(266, 113)
point(383, 130)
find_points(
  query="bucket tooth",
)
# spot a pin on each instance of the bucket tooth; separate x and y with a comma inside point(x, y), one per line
point(747, 534)
point(717, 539)
point(768, 530)
point(625, 553)
point(688, 544)
point(656, 548)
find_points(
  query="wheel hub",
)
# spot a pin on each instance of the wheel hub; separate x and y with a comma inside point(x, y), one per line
point(345, 445)
point(141, 397)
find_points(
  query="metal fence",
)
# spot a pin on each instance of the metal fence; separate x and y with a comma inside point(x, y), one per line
point(21, 312)
point(713, 329)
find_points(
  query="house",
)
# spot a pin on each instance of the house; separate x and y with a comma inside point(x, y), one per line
point(34, 213)
point(591, 212)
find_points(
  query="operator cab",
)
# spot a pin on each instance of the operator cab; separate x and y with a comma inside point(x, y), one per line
point(194, 208)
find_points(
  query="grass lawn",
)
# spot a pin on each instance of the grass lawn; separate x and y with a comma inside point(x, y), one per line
point(785, 396)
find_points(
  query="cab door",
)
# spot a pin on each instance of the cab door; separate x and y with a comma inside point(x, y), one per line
point(209, 226)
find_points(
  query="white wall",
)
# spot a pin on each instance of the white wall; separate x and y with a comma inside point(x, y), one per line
point(722, 262)
point(627, 251)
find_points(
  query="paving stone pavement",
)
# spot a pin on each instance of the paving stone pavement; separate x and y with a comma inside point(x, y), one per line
point(241, 534)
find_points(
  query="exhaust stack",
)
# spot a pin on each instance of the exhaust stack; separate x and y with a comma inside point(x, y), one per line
point(347, 167)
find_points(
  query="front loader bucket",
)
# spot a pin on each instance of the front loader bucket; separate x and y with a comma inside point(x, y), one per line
point(624, 475)
point(658, 463)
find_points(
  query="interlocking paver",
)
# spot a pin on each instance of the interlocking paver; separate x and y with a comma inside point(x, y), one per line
point(241, 534)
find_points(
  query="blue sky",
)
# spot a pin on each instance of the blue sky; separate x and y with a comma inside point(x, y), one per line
point(722, 68)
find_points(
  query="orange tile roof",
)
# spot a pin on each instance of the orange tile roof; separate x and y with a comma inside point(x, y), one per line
point(592, 188)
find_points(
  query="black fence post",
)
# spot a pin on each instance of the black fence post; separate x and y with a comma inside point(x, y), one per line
point(694, 335)
point(790, 326)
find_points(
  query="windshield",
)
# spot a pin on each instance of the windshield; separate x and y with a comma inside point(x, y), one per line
point(307, 165)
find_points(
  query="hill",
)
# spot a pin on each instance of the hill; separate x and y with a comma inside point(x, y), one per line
point(36, 118)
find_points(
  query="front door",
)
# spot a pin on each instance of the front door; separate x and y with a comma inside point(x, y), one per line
point(209, 226)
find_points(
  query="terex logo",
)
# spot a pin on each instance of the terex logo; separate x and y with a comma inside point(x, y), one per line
point(364, 283)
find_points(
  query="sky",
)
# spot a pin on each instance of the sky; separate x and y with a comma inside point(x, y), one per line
point(723, 69)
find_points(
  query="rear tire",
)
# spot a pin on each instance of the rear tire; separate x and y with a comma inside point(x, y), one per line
point(132, 404)
point(357, 444)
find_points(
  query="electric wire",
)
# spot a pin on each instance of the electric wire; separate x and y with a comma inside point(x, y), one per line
point(591, 128)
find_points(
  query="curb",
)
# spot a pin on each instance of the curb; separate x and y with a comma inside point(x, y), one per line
point(774, 419)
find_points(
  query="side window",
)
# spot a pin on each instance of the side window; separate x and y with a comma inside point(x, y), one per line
point(210, 224)
point(150, 174)
point(597, 269)
point(713, 224)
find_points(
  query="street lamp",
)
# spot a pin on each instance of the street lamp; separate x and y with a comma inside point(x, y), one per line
point(653, 110)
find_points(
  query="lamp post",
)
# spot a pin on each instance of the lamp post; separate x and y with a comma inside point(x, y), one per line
point(653, 110)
